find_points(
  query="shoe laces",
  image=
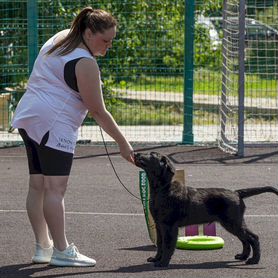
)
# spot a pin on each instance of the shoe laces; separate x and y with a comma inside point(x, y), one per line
point(73, 251)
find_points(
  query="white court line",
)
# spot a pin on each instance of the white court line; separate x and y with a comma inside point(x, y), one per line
point(13, 156)
point(104, 213)
point(121, 214)
point(78, 212)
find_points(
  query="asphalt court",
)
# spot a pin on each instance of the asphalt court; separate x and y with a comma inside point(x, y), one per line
point(107, 223)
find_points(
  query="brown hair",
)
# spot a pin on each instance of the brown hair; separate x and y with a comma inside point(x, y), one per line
point(95, 19)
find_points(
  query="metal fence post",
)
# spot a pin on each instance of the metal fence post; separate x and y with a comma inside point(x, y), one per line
point(188, 72)
point(241, 78)
point(32, 17)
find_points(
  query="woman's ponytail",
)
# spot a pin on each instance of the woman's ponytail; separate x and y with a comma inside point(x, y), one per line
point(95, 19)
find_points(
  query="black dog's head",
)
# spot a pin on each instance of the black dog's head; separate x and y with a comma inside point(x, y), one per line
point(157, 166)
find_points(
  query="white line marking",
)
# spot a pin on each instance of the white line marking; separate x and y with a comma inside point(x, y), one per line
point(105, 213)
point(12, 156)
point(261, 215)
point(79, 212)
point(120, 213)
point(12, 210)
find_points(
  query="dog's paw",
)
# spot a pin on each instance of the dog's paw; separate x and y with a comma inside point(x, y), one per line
point(160, 264)
point(241, 257)
point(152, 259)
point(253, 261)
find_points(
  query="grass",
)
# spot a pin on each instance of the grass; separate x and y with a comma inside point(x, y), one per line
point(205, 82)
point(147, 114)
point(137, 113)
point(155, 84)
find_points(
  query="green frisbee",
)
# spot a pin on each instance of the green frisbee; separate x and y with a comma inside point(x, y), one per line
point(199, 243)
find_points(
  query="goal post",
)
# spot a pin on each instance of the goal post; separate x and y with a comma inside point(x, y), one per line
point(233, 72)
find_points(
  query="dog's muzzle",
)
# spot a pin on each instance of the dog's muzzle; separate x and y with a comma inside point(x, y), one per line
point(138, 160)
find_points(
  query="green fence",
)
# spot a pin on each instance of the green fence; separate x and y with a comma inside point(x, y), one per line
point(147, 73)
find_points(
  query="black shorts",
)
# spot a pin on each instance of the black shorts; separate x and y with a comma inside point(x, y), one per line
point(45, 160)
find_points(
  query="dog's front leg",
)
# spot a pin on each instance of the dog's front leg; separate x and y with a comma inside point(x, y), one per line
point(159, 246)
point(169, 239)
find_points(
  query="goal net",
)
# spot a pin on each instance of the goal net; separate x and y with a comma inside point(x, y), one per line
point(232, 96)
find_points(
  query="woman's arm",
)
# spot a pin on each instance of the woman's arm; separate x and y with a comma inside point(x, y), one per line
point(89, 85)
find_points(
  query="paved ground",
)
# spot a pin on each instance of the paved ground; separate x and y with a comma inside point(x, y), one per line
point(105, 222)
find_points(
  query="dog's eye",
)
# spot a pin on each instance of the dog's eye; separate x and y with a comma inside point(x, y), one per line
point(163, 160)
point(154, 154)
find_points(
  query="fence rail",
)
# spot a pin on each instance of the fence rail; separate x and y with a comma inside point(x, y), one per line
point(147, 85)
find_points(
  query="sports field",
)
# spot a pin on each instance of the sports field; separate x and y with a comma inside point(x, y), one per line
point(107, 223)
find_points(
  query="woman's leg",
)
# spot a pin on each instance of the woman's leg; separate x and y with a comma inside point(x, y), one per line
point(54, 210)
point(34, 206)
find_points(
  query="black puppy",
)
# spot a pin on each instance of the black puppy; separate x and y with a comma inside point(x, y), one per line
point(174, 205)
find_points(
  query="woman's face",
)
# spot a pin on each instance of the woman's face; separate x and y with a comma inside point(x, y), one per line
point(99, 43)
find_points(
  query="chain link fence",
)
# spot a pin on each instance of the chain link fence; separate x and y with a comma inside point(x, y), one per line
point(144, 72)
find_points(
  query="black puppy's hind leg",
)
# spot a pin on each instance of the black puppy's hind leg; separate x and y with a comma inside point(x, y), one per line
point(246, 251)
point(169, 239)
point(247, 238)
point(253, 239)
point(239, 231)
point(244, 240)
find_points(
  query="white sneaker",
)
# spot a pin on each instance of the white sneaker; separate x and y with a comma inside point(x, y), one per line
point(70, 257)
point(42, 255)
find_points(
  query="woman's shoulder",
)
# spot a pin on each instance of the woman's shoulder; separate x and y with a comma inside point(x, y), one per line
point(55, 39)
point(60, 35)
point(87, 64)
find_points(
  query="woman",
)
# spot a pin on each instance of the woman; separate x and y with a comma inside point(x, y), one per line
point(64, 85)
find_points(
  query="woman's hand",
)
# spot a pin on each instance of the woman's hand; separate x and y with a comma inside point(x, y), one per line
point(127, 152)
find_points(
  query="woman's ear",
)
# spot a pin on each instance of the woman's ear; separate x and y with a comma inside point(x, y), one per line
point(87, 34)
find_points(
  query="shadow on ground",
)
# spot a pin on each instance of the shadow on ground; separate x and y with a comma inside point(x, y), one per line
point(29, 270)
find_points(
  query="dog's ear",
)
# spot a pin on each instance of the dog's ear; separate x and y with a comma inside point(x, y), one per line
point(168, 168)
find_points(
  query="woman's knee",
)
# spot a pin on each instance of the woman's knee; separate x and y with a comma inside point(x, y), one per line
point(36, 182)
point(55, 184)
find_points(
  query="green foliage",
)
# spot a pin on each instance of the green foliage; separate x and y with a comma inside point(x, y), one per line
point(267, 66)
point(150, 36)
point(145, 28)
point(263, 52)
point(209, 7)
point(151, 114)
point(13, 51)
point(150, 39)
point(254, 6)
point(206, 82)
point(206, 56)
point(110, 96)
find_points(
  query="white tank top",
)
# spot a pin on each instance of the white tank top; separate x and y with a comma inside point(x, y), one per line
point(49, 104)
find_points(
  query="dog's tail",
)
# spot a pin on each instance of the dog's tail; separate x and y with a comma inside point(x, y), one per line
point(248, 192)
